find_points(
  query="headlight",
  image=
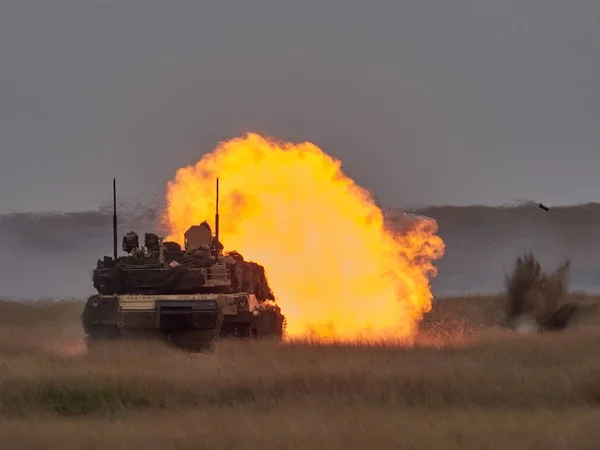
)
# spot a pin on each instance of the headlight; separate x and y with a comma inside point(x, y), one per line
point(95, 302)
point(242, 301)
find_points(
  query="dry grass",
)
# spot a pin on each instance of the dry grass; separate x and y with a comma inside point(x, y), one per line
point(464, 384)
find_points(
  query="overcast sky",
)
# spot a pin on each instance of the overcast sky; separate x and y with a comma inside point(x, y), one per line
point(424, 101)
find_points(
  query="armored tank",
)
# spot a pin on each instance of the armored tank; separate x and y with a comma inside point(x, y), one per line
point(189, 296)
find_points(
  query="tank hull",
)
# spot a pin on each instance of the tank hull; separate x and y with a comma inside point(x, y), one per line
point(189, 322)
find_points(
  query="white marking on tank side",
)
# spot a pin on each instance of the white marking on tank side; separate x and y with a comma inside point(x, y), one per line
point(137, 306)
point(140, 302)
point(136, 298)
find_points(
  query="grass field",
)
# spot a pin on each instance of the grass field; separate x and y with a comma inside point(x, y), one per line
point(464, 384)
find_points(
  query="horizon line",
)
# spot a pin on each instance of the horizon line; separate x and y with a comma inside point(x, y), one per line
point(511, 205)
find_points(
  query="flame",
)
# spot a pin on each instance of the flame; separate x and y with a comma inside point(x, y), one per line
point(336, 270)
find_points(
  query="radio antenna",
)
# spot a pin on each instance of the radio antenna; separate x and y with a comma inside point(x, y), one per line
point(217, 222)
point(114, 218)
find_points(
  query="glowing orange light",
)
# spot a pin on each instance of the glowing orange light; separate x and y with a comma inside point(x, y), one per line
point(336, 270)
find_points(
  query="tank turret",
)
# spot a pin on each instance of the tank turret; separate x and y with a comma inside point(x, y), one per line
point(166, 268)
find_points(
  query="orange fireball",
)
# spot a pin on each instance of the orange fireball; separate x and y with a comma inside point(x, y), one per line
point(337, 271)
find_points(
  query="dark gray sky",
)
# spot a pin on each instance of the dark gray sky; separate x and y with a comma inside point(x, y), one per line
point(424, 101)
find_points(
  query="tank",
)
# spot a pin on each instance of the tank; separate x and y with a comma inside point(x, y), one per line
point(189, 295)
